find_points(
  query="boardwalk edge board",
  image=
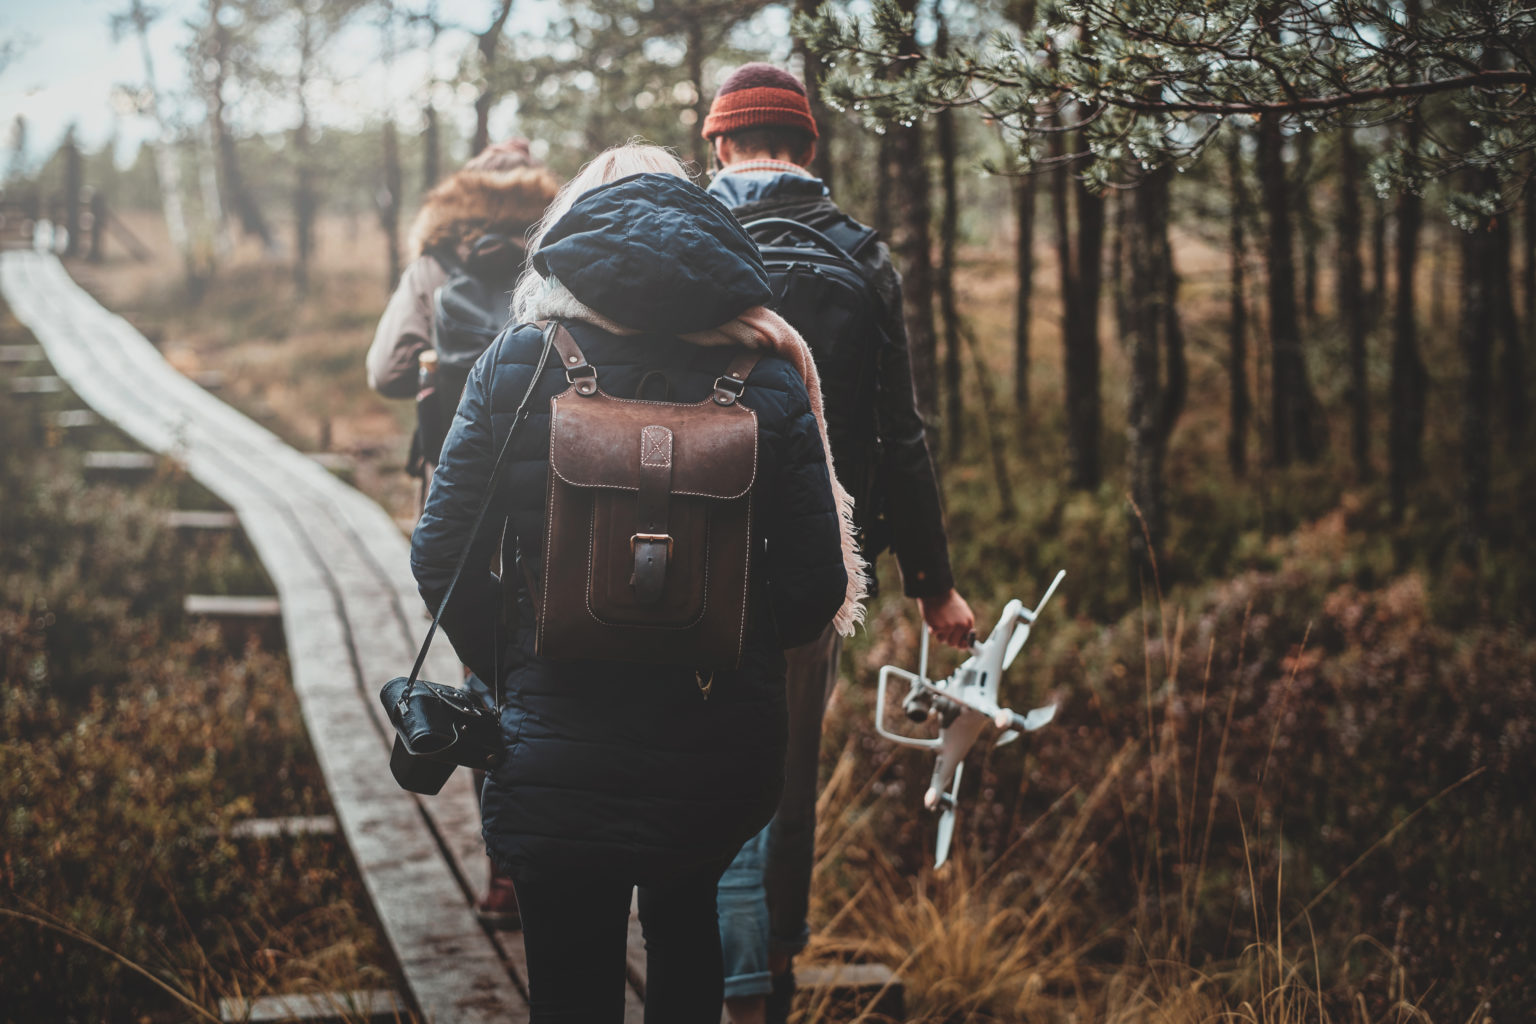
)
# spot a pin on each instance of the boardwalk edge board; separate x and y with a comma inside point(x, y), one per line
point(351, 617)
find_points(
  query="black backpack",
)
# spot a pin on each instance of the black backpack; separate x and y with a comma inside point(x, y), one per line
point(821, 289)
point(468, 311)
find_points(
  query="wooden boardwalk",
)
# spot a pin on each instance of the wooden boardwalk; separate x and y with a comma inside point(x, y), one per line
point(352, 619)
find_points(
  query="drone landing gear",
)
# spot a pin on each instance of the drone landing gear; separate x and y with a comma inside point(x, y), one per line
point(945, 804)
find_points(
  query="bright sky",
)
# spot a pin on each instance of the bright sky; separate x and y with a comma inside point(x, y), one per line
point(69, 65)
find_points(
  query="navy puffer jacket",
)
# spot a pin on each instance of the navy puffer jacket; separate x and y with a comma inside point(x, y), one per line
point(614, 768)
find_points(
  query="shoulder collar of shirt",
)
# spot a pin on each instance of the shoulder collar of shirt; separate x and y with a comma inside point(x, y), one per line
point(755, 180)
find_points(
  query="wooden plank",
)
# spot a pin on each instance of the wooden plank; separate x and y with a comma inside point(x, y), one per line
point(368, 1005)
point(846, 991)
point(336, 462)
point(120, 463)
point(634, 965)
point(283, 828)
point(21, 353)
point(232, 606)
point(36, 385)
point(201, 519)
point(351, 618)
point(71, 419)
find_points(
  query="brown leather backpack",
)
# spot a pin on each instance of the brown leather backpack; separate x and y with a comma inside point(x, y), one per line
point(649, 529)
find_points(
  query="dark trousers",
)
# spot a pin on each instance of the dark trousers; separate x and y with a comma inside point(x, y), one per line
point(574, 930)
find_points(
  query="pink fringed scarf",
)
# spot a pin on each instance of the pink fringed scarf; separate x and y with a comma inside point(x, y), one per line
point(762, 328)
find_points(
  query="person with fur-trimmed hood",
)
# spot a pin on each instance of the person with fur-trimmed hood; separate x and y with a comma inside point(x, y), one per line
point(504, 191)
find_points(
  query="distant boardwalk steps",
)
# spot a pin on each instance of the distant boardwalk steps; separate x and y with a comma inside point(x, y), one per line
point(352, 620)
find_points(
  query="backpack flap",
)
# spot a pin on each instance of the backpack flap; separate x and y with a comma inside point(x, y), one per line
point(658, 477)
point(599, 444)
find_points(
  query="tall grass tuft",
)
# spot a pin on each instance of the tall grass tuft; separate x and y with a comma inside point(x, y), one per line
point(1283, 798)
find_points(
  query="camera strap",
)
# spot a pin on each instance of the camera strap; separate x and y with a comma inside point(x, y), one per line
point(474, 531)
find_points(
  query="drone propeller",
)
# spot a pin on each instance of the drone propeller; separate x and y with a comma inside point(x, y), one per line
point(1026, 619)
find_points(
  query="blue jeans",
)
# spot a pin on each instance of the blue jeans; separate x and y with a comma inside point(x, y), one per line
point(765, 893)
point(744, 921)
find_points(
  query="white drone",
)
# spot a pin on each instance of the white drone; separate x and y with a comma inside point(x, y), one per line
point(963, 704)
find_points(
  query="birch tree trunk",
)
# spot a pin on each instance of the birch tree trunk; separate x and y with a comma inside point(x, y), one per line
point(167, 170)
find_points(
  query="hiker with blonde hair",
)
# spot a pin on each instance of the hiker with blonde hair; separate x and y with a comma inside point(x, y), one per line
point(642, 773)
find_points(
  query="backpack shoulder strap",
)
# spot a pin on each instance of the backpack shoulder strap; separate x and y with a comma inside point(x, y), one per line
point(851, 236)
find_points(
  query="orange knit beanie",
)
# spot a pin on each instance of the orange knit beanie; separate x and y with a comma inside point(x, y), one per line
point(759, 95)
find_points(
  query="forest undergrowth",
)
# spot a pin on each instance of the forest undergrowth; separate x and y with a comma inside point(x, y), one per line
point(1286, 780)
point(132, 739)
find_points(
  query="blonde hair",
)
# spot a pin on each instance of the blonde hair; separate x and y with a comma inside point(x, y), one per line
point(530, 299)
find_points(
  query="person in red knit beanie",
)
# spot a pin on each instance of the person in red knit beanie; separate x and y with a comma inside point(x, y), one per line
point(763, 138)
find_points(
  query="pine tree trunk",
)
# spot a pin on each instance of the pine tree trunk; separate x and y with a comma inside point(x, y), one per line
point(213, 202)
point(73, 184)
point(303, 190)
point(949, 228)
point(1024, 259)
point(1409, 378)
point(389, 203)
point(1293, 432)
point(1479, 314)
point(247, 210)
point(1176, 383)
point(1507, 330)
point(914, 250)
point(1081, 280)
point(486, 42)
point(1023, 14)
point(694, 59)
point(1153, 402)
point(885, 156)
point(1306, 222)
point(1084, 409)
point(1237, 330)
point(430, 145)
point(1379, 218)
point(1351, 301)
point(242, 203)
point(813, 69)
point(1119, 273)
point(1528, 280)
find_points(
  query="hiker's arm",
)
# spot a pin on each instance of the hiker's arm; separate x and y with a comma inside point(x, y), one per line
point(404, 331)
point(911, 489)
point(804, 554)
point(458, 487)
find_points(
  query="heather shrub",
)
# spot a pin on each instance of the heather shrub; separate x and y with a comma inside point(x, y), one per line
point(130, 741)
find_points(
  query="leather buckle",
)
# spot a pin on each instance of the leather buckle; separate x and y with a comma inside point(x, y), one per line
point(651, 538)
point(583, 378)
point(728, 389)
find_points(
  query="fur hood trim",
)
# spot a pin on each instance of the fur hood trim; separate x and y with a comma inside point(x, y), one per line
point(467, 204)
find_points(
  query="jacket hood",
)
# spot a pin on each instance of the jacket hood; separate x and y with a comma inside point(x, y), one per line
point(468, 204)
point(657, 254)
